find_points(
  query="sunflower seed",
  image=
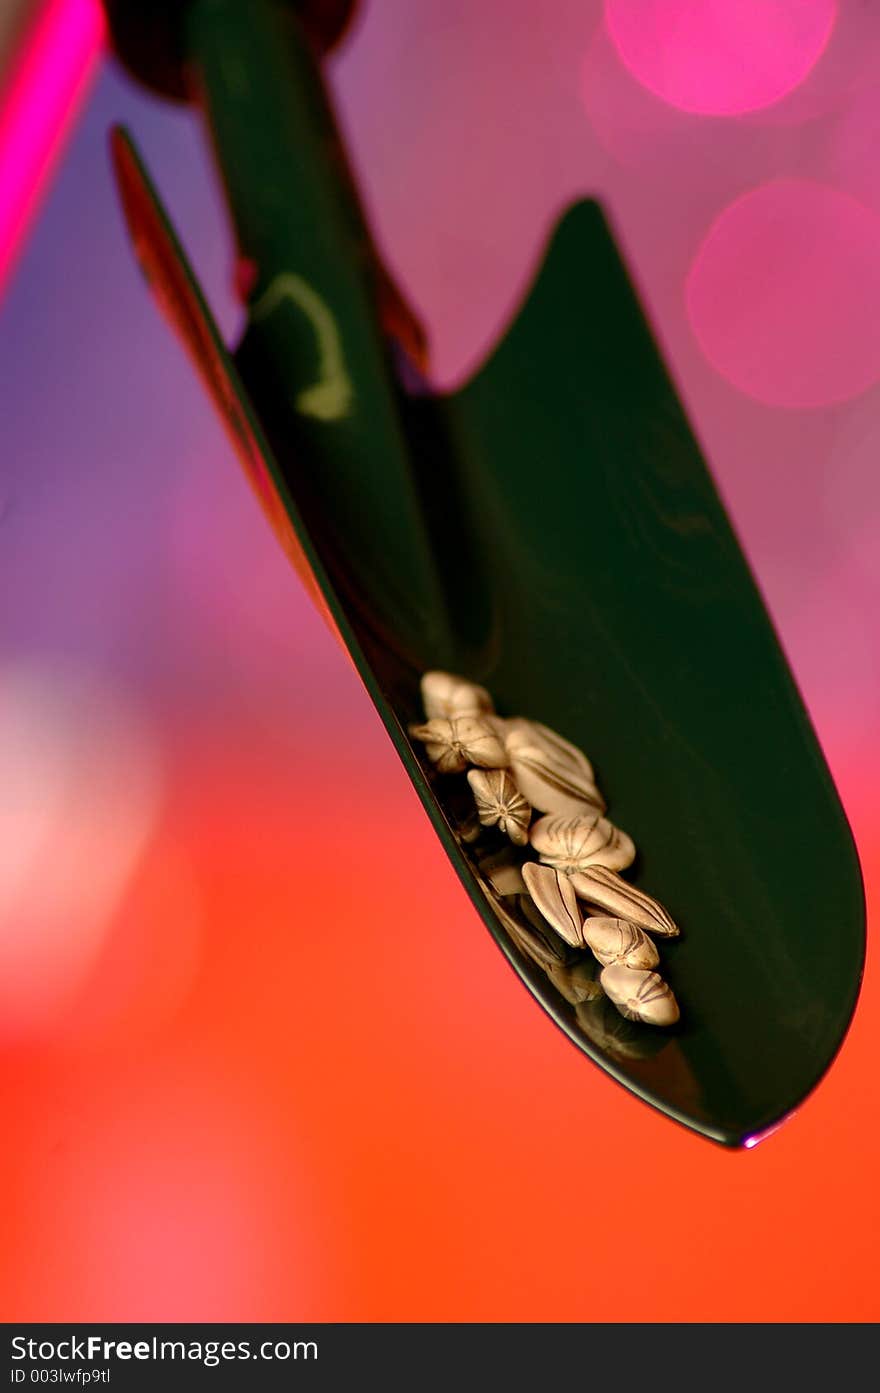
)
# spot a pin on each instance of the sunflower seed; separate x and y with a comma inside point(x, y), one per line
point(618, 941)
point(520, 765)
point(531, 934)
point(553, 775)
point(616, 896)
point(556, 948)
point(609, 1031)
point(454, 744)
point(554, 895)
point(445, 695)
point(500, 803)
point(502, 870)
point(640, 996)
point(574, 981)
point(578, 843)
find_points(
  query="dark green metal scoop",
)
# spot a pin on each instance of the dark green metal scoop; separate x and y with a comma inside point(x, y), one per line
point(550, 531)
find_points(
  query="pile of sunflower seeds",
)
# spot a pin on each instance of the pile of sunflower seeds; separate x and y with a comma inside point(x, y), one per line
point(540, 791)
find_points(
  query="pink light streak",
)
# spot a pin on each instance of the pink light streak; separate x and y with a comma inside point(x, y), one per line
point(50, 80)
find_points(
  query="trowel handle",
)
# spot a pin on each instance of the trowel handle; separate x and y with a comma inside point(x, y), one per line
point(253, 66)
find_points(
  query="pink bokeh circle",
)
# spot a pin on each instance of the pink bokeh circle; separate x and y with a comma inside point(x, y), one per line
point(783, 294)
point(720, 57)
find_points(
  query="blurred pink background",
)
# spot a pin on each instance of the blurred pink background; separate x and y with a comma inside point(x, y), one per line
point(226, 1095)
